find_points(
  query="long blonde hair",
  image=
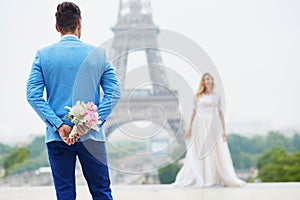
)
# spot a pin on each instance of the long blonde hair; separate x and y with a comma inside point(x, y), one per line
point(201, 88)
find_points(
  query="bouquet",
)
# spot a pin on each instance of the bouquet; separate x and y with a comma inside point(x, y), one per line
point(84, 114)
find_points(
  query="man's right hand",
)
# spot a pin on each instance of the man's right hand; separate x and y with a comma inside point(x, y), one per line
point(64, 132)
point(82, 130)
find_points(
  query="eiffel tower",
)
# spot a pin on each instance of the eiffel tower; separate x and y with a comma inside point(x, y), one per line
point(135, 30)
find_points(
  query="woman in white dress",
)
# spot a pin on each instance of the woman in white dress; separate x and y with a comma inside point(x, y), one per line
point(208, 161)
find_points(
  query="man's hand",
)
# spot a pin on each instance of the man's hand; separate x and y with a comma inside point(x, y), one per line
point(64, 132)
point(82, 130)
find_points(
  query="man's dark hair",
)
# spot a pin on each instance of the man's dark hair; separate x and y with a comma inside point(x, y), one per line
point(67, 16)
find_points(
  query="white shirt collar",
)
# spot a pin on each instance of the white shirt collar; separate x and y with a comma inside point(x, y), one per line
point(69, 35)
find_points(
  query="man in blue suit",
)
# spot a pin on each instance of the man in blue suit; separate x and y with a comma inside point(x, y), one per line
point(71, 70)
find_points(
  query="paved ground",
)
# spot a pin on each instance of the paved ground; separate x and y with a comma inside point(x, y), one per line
point(260, 191)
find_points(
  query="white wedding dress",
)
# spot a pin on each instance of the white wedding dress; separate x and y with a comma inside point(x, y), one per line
point(208, 161)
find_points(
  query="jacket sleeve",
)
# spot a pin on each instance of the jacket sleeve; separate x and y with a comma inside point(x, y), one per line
point(35, 91)
point(111, 89)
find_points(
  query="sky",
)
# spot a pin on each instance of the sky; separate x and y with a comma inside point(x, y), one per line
point(254, 45)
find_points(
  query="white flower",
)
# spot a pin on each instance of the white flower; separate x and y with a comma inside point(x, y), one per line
point(84, 114)
point(78, 108)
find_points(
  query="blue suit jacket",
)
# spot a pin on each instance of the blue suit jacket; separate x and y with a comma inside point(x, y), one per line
point(71, 70)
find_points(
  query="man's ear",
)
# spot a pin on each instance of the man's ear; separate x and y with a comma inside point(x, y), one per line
point(57, 28)
point(79, 24)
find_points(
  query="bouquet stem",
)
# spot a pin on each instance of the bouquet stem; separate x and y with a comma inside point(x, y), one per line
point(73, 132)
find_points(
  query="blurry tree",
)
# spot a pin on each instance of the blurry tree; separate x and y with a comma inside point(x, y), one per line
point(168, 174)
point(4, 149)
point(38, 157)
point(244, 151)
point(295, 143)
point(14, 158)
point(277, 139)
point(276, 165)
point(37, 146)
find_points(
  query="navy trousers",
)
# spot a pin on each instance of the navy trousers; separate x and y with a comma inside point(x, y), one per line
point(93, 160)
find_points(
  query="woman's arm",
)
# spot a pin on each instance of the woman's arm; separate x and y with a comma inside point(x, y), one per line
point(223, 124)
point(192, 118)
point(189, 131)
